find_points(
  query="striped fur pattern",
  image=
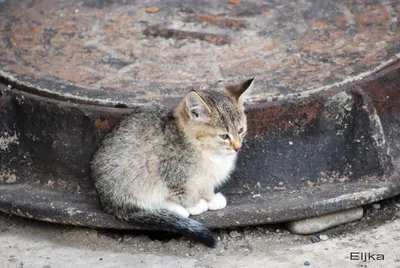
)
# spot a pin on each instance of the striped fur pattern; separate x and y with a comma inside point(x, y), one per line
point(159, 165)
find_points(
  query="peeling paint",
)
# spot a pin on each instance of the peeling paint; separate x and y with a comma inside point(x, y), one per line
point(72, 211)
point(7, 140)
point(7, 177)
point(343, 98)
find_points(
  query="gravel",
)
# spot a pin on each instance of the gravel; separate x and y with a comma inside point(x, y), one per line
point(37, 244)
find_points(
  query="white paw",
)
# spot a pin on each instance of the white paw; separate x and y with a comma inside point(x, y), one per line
point(177, 209)
point(199, 208)
point(218, 202)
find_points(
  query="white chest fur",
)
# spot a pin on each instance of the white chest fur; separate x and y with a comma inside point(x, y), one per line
point(218, 167)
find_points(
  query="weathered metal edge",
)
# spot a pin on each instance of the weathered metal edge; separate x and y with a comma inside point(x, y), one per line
point(249, 212)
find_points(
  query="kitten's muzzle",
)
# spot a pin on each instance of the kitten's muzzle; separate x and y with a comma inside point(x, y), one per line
point(236, 146)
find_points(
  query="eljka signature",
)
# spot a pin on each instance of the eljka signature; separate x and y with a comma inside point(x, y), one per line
point(366, 256)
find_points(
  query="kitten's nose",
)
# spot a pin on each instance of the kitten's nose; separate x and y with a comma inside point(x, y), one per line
point(236, 146)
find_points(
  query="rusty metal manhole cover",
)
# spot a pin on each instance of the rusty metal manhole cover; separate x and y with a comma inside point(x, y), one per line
point(115, 50)
point(323, 118)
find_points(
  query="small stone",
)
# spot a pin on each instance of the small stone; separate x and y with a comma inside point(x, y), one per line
point(234, 234)
point(152, 9)
point(126, 238)
point(290, 142)
point(307, 263)
point(320, 223)
point(76, 10)
point(280, 183)
point(235, 2)
point(247, 231)
point(101, 259)
point(315, 239)
point(376, 206)
point(187, 254)
point(323, 237)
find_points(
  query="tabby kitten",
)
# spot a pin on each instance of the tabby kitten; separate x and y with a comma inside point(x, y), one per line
point(158, 166)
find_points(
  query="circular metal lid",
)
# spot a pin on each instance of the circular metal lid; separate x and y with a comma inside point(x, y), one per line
point(123, 51)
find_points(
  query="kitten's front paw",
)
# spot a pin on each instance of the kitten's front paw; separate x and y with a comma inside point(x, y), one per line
point(218, 202)
point(201, 207)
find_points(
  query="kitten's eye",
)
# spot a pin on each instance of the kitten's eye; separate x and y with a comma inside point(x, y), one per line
point(224, 136)
point(194, 113)
point(240, 130)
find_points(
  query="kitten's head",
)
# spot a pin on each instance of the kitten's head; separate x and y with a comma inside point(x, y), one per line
point(215, 120)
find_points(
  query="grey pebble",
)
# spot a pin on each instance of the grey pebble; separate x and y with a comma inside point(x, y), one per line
point(315, 239)
point(376, 206)
point(320, 223)
point(307, 263)
point(247, 231)
point(323, 237)
point(234, 234)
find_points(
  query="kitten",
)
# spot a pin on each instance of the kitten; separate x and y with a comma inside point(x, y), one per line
point(158, 166)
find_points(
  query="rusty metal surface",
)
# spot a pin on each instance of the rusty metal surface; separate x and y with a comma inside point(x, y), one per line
point(116, 51)
point(329, 152)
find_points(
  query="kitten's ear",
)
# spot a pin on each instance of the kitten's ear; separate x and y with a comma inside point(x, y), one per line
point(237, 91)
point(198, 109)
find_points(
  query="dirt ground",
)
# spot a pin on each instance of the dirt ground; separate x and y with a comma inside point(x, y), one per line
point(26, 243)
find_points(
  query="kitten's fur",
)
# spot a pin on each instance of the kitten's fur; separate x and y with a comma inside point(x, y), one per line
point(160, 165)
